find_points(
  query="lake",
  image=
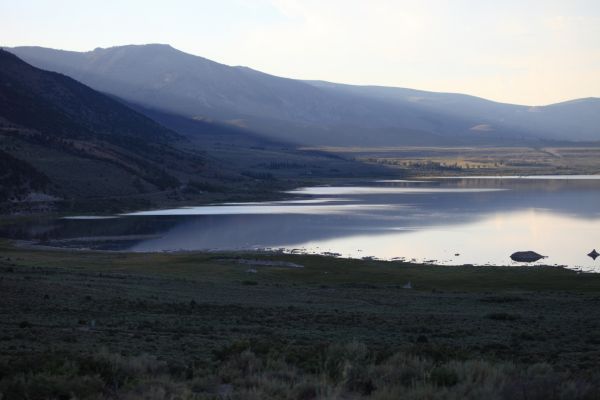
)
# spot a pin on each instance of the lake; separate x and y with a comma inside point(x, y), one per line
point(475, 220)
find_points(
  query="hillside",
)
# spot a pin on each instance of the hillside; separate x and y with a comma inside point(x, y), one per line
point(64, 145)
point(65, 141)
point(313, 113)
point(575, 120)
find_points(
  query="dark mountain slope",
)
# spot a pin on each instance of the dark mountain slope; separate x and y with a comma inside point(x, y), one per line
point(257, 156)
point(69, 109)
point(52, 126)
point(209, 132)
point(18, 179)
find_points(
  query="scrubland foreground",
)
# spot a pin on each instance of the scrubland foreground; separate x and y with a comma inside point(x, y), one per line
point(99, 325)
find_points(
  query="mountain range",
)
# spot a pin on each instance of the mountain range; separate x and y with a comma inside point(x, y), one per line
point(62, 142)
point(312, 113)
point(136, 126)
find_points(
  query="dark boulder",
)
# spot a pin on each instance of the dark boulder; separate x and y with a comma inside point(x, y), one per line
point(526, 256)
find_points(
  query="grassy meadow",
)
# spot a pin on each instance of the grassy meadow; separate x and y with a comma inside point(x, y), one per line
point(94, 325)
point(423, 161)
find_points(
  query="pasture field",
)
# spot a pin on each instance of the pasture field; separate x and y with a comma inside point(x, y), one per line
point(254, 326)
point(420, 161)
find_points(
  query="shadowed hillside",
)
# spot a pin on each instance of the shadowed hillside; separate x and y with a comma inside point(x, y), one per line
point(63, 139)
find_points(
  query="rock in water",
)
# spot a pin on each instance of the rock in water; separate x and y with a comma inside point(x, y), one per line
point(526, 256)
point(594, 254)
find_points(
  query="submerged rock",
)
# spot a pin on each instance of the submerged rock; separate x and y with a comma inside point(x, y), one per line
point(594, 254)
point(526, 256)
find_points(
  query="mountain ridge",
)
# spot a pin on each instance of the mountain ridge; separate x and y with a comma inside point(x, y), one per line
point(161, 77)
point(309, 81)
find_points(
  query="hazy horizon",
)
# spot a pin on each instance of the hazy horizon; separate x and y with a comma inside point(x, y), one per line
point(534, 54)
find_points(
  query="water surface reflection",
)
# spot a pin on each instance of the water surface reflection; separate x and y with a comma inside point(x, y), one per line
point(450, 221)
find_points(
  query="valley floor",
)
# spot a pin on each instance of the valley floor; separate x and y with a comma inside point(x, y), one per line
point(420, 161)
point(257, 326)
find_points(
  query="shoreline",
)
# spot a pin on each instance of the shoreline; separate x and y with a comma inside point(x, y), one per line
point(271, 254)
point(278, 193)
point(31, 245)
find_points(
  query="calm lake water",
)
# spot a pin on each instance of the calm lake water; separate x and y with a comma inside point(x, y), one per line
point(472, 220)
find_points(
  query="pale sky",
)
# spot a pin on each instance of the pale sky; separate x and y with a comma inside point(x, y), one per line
point(519, 51)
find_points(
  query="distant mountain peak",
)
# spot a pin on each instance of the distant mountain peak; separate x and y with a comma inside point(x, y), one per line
point(150, 48)
point(144, 45)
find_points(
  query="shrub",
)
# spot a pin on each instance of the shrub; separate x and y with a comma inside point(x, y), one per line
point(502, 316)
point(340, 359)
point(444, 376)
point(305, 391)
point(24, 324)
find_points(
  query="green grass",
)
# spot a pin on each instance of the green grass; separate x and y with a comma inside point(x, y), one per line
point(428, 161)
point(318, 270)
point(198, 325)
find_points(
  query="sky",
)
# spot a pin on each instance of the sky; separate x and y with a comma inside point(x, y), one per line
point(532, 52)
